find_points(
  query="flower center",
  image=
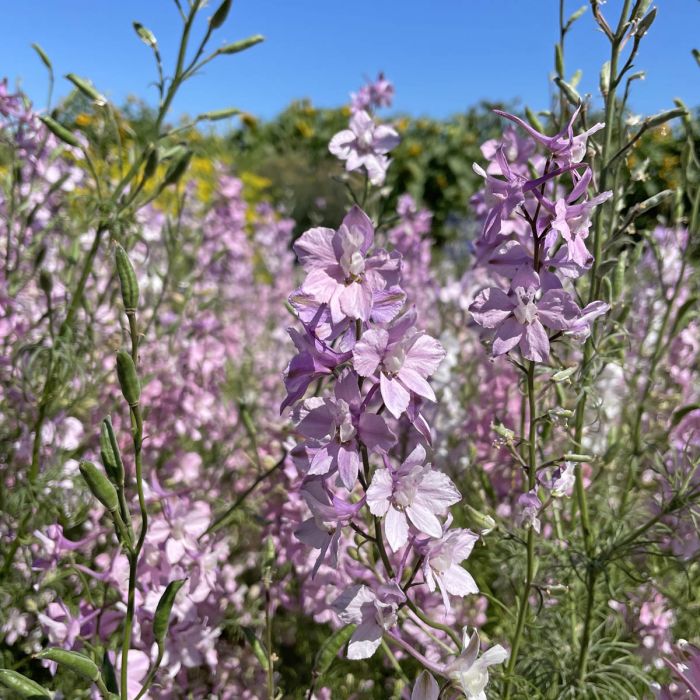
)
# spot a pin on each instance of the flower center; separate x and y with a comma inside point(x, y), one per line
point(526, 310)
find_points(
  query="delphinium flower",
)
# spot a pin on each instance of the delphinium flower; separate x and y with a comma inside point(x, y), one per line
point(365, 144)
point(536, 212)
point(373, 95)
point(370, 366)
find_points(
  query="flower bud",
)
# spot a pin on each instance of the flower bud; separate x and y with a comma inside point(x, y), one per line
point(76, 662)
point(146, 35)
point(100, 486)
point(127, 279)
point(128, 378)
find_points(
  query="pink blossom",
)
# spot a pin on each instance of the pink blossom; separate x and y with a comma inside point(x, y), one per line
point(414, 492)
point(404, 359)
point(373, 613)
point(365, 144)
point(441, 564)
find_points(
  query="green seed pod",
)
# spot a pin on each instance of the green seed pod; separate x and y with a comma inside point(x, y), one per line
point(46, 282)
point(576, 15)
point(564, 374)
point(128, 378)
point(645, 24)
point(607, 291)
point(127, 279)
point(218, 115)
point(573, 457)
point(257, 648)
point(76, 662)
point(241, 45)
point(330, 649)
point(503, 432)
point(60, 131)
point(44, 58)
point(100, 486)
point(86, 88)
point(177, 169)
point(569, 92)
point(108, 674)
point(151, 165)
point(618, 280)
point(161, 620)
point(533, 119)
point(559, 60)
point(268, 559)
point(484, 522)
point(663, 117)
point(109, 450)
point(219, 17)
point(23, 686)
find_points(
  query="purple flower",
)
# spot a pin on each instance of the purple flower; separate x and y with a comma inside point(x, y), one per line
point(380, 93)
point(520, 316)
point(412, 492)
point(564, 146)
point(404, 359)
point(573, 221)
point(340, 273)
point(328, 515)
point(337, 424)
point(314, 360)
point(470, 670)
point(529, 505)
point(365, 144)
point(562, 480)
point(373, 613)
point(441, 564)
point(425, 688)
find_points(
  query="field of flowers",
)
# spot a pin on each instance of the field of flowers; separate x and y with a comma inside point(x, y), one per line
point(349, 405)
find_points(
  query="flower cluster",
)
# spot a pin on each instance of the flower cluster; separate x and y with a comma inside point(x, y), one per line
point(365, 143)
point(369, 366)
point(536, 214)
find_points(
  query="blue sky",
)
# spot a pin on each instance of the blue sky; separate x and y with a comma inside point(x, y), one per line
point(443, 55)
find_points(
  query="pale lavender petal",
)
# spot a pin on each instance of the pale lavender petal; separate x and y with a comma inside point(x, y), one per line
point(348, 465)
point(375, 433)
point(507, 336)
point(424, 519)
point(534, 343)
point(314, 248)
point(396, 528)
point(356, 218)
point(356, 301)
point(379, 492)
point(491, 307)
point(365, 640)
point(395, 395)
point(369, 351)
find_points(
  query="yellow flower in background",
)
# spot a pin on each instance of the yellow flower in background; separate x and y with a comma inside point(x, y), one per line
point(414, 149)
point(83, 120)
point(304, 129)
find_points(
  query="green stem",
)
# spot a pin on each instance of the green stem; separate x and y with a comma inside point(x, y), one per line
point(524, 605)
